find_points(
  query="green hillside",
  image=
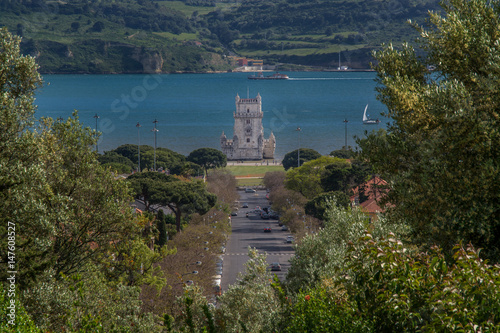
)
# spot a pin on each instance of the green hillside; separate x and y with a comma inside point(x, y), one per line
point(143, 36)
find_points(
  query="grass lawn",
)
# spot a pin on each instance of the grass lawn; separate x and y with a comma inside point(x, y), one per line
point(249, 182)
point(253, 171)
point(250, 175)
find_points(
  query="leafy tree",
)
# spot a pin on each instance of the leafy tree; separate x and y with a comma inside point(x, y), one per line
point(184, 197)
point(162, 228)
point(344, 153)
point(165, 158)
point(18, 320)
point(223, 184)
point(407, 290)
point(307, 178)
point(318, 206)
point(72, 304)
point(130, 151)
point(306, 154)
point(251, 304)
point(84, 219)
point(326, 309)
point(274, 180)
point(117, 162)
point(181, 197)
point(441, 152)
point(322, 255)
point(98, 26)
point(145, 184)
point(208, 158)
point(336, 176)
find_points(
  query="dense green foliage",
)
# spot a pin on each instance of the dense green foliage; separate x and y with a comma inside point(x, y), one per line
point(208, 158)
point(290, 160)
point(441, 153)
point(67, 219)
point(181, 197)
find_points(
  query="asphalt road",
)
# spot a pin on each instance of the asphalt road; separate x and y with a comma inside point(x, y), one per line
point(249, 232)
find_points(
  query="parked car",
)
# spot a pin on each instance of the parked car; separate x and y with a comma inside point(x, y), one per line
point(267, 229)
point(284, 228)
point(245, 205)
point(275, 266)
point(234, 214)
point(249, 190)
point(289, 239)
point(264, 216)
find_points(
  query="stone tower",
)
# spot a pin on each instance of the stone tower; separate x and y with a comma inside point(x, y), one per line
point(248, 141)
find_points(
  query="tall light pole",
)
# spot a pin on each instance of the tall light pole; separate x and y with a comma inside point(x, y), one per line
point(345, 121)
point(96, 144)
point(155, 130)
point(138, 147)
point(298, 150)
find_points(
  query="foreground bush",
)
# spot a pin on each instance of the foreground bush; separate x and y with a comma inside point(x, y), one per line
point(387, 288)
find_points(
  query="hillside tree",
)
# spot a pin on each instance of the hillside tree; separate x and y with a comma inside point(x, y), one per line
point(441, 152)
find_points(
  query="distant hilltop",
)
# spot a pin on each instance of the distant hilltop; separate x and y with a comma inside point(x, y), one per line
point(174, 36)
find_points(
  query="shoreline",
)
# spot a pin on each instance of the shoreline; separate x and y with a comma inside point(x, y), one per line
point(210, 72)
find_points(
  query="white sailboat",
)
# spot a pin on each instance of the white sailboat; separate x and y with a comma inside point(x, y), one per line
point(367, 120)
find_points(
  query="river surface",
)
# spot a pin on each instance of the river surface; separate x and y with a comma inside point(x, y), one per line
point(192, 110)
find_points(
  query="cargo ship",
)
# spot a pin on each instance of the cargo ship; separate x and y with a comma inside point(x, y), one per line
point(275, 76)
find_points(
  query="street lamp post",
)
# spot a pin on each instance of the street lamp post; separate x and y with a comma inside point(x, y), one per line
point(298, 150)
point(155, 130)
point(96, 144)
point(138, 147)
point(345, 121)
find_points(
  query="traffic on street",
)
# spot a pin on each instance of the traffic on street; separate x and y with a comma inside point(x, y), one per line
point(253, 227)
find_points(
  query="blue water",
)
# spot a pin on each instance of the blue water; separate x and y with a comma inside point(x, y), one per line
point(193, 109)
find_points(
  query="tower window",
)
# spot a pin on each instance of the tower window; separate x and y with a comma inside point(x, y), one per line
point(248, 110)
point(248, 121)
point(248, 140)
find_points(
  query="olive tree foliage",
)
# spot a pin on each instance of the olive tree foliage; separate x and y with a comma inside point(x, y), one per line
point(441, 152)
point(319, 256)
point(251, 304)
point(18, 147)
point(72, 304)
point(65, 207)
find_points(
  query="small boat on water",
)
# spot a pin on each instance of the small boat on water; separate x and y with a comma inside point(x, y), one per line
point(275, 76)
point(367, 120)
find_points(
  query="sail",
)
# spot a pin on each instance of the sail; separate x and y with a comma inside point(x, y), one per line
point(365, 118)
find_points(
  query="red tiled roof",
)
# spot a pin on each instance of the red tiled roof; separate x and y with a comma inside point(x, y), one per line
point(375, 191)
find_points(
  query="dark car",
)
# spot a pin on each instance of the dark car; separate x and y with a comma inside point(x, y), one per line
point(268, 229)
point(245, 205)
point(275, 266)
point(274, 215)
point(264, 216)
